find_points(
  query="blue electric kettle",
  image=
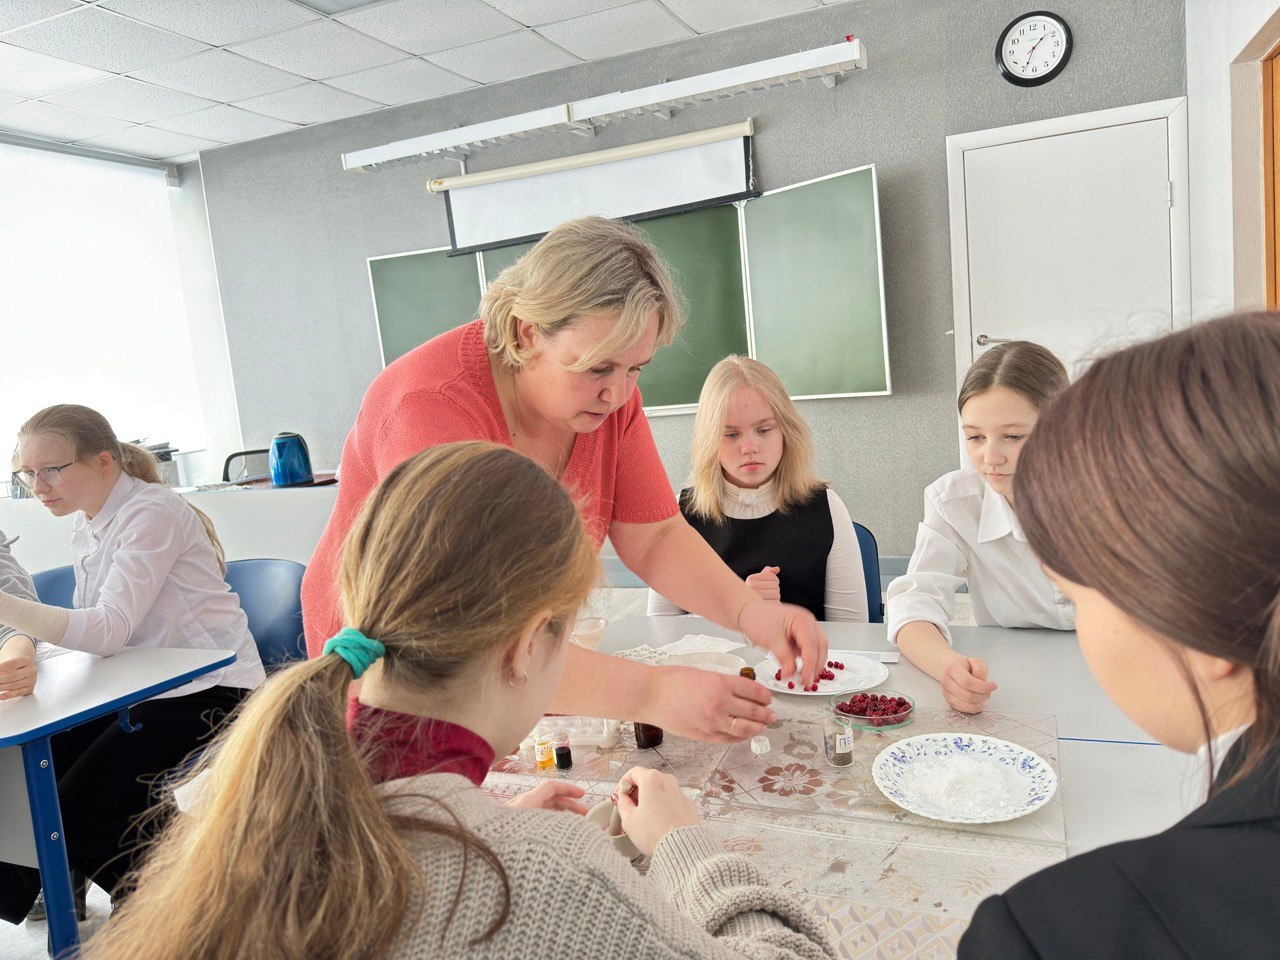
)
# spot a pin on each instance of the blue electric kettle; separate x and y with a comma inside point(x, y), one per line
point(289, 460)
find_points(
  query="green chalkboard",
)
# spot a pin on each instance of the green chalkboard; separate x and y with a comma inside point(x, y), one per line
point(420, 295)
point(813, 256)
point(495, 261)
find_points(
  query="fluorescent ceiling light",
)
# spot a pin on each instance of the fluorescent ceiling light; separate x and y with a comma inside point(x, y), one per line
point(825, 63)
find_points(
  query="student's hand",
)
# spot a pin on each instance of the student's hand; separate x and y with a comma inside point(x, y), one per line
point(17, 676)
point(551, 795)
point(651, 805)
point(965, 685)
point(766, 583)
point(707, 706)
point(786, 631)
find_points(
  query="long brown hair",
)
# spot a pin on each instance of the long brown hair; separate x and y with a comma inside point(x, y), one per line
point(86, 433)
point(794, 481)
point(1155, 480)
point(290, 852)
point(586, 266)
point(1020, 365)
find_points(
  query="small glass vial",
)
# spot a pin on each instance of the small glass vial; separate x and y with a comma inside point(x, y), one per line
point(561, 749)
point(647, 735)
point(748, 672)
point(837, 740)
point(543, 753)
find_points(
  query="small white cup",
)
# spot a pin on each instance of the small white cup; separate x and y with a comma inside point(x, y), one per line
point(588, 631)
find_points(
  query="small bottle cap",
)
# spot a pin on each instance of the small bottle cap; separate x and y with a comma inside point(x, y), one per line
point(760, 744)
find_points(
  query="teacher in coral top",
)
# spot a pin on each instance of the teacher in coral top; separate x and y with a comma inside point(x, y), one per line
point(550, 369)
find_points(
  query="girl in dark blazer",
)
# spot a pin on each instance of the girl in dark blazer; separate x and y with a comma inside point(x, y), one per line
point(1151, 491)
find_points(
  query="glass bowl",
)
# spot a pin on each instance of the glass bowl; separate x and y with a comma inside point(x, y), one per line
point(869, 700)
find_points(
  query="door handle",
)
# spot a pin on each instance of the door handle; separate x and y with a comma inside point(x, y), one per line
point(983, 340)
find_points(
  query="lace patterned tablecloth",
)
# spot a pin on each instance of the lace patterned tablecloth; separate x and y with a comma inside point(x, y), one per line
point(890, 885)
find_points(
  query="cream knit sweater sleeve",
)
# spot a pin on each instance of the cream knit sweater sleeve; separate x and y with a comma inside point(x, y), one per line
point(573, 896)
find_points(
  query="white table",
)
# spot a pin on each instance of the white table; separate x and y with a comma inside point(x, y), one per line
point(71, 689)
point(1117, 783)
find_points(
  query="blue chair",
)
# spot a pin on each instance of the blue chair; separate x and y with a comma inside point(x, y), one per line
point(871, 572)
point(56, 587)
point(270, 593)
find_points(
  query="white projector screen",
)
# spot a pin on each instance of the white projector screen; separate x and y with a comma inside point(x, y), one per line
point(509, 211)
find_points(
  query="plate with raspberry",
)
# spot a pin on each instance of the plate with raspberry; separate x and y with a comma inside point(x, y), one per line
point(844, 672)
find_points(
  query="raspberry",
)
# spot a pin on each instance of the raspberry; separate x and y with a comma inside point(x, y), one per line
point(778, 675)
point(791, 684)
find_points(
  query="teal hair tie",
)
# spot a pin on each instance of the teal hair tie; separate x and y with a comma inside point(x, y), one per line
point(355, 648)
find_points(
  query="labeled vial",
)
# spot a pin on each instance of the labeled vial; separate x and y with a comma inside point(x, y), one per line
point(543, 752)
point(837, 740)
point(561, 749)
point(647, 735)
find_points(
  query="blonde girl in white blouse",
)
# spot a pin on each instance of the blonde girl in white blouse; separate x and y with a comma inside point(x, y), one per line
point(755, 498)
point(970, 533)
point(149, 573)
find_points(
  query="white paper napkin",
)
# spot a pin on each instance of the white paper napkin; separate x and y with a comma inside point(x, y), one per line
point(701, 643)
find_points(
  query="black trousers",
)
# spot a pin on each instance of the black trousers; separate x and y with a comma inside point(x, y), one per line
point(107, 778)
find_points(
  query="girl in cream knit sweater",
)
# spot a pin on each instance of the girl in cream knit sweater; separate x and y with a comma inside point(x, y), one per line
point(336, 830)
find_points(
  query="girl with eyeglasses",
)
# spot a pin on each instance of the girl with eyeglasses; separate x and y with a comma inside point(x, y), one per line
point(149, 573)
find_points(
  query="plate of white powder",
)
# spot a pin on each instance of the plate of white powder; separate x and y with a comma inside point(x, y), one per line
point(963, 778)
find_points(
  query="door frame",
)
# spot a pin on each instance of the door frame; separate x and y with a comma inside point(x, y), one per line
point(1173, 110)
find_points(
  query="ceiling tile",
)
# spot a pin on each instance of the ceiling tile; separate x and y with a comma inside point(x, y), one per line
point(425, 26)
point(405, 82)
point(219, 75)
point(636, 26)
point(149, 142)
point(218, 22)
point(335, 6)
point(225, 123)
point(128, 99)
point(706, 16)
point(319, 50)
point(18, 13)
point(534, 13)
point(8, 100)
point(56, 123)
point(30, 74)
point(310, 103)
point(97, 38)
point(504, 58)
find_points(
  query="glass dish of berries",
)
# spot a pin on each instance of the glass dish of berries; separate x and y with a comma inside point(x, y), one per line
point(875, 711)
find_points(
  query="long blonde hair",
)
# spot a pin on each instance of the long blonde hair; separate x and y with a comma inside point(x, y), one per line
point(290, 852)
point(794, 482)
point(86, 433)
point(591, 265)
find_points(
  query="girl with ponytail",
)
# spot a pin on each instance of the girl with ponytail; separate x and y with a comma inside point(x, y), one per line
point(149, 573)
point(345, 830)
point(1151, 491)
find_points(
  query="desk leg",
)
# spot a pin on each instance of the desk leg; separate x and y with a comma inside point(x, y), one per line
point(51, 847)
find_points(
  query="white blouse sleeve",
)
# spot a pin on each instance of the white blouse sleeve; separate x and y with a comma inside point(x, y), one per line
point(660, 606)
point(938, 566)
point(846, 591)
point(139, 566)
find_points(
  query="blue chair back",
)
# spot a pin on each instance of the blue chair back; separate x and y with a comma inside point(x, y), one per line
point(56, 587)
point(871, 572)
point(270, 594)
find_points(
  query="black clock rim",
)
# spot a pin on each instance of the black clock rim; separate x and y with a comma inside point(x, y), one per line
point(1018, 81)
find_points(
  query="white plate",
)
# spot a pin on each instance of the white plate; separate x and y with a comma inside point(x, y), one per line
point(964, 778)
point(859, 673)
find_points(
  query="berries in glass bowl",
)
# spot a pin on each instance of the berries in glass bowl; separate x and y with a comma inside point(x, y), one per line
point(874, 711)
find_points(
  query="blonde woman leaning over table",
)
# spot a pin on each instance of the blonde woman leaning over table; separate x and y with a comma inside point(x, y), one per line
point(1151, 489)
point(148, 570)
point(550, 369)
point(17, 650)
point(970, 533)
point(358, 831)
point(754, 496)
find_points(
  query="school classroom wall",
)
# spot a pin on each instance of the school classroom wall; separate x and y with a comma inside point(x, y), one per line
point(291, 232)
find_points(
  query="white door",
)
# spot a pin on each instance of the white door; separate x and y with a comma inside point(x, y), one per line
point(1067, 239)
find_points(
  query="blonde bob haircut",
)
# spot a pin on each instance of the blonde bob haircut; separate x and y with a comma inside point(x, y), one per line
point(587, 266)
point(794, 482)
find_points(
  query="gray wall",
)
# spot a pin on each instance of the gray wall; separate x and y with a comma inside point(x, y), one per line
point(291, 231)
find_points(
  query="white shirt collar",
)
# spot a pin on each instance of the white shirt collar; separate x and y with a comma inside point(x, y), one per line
point(120, 493)
point(1222, 745)
point(997, 518)
point(761, 495)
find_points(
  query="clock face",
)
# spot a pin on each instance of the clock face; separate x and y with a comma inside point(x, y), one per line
point(1034, 49)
